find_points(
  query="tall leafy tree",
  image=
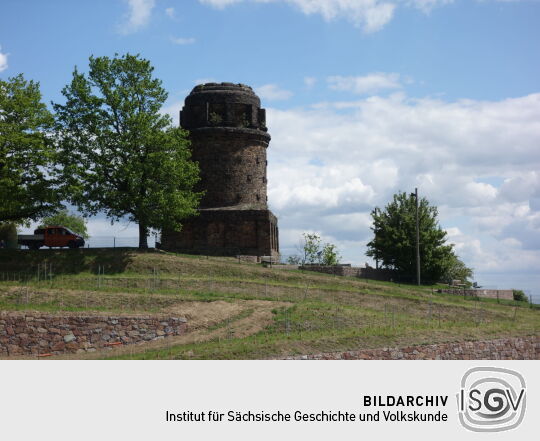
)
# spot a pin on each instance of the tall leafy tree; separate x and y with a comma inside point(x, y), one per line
point(27, 189)
point(313, 251)
point(394, 241)
point(457, 270)
point(120, 154)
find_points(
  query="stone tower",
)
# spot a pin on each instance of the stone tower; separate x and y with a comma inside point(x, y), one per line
point(229, 140)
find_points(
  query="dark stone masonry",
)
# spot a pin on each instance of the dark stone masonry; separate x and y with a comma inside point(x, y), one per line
point(229, 140)
point(35, 333)
point(517, 348)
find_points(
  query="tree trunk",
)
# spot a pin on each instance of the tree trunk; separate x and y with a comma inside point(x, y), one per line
point(143, 236)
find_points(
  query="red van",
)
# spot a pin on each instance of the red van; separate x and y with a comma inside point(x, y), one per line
point(53, 236)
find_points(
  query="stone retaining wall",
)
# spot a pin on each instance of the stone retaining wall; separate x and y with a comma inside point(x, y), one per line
point(353, 271)
point(337, 270)
point(38, 333)
point(506, 294)
point(519, 348)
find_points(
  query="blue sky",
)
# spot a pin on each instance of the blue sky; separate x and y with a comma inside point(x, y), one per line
point(364, 98)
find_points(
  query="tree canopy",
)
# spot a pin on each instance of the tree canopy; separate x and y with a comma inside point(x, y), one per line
point(312, 251)
point(64, 218)
point(394, 241)
point(120, 155)
point(28, 190)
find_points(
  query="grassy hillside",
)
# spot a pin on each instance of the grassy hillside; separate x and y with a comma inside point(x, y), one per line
point(240, 310)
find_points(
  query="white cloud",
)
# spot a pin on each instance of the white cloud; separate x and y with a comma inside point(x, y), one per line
point(369, 15)
point(3, 60)
point(272, 92)
point(204, 80)
point(183, 41)
point(173, 110)
point(171, 13)
point(138, 15)
point(310, 82)
point(428, 5)
point(365, 84)
point(331, 163)
point(220, 3)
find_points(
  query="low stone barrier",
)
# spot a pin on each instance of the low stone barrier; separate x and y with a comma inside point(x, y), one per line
point(518, 348)
point(383, 275)
point(336, 270)
point(37, 333)
point(506, 294)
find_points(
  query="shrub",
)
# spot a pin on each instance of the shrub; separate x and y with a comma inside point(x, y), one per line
point(520, 296)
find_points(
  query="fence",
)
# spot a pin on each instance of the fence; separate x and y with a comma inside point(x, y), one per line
point(116, 242)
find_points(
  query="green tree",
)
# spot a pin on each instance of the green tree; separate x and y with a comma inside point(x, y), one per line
point(520, 296)
point(8, 235)
point(311, 251)
point(394, 241)
point(64, 218)
point(457, 270)
point(311, 248)
point(120, 154)
point(330, 254)
point(27, 189)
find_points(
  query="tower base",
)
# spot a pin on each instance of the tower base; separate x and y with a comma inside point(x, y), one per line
point(226, 232)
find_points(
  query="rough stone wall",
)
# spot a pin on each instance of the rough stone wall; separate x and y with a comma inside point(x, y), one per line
point(229, 140)
point(36, 333)
point(352, 271)
point(226, 233)
point(519, 348)
point(383, 275)
point(506, 294)
point(232, 168)
point(337, 270)
point(223, 105)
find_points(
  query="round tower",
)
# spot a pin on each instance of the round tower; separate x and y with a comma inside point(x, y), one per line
point(229, 139)
point(227, 128)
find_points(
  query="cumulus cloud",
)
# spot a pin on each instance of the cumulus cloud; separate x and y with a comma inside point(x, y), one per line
point(309, 82)
point(364, 84)
point(138, 15)
point(273, 92)
point(182, 41)
point(369, 15)
point(173, 110)
point(204, 80)
point(170, 12)
point(3, 60)
point(428, 5)
point(220, 3)
point(331, 163)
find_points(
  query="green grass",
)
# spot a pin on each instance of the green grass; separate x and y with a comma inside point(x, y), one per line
point(326, 312)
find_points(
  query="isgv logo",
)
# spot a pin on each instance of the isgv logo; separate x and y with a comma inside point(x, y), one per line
point(491, 399)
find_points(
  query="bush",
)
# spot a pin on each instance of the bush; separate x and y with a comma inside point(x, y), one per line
point(313, 252)
point(330, 255)
point(520, 296)
point(8, 233)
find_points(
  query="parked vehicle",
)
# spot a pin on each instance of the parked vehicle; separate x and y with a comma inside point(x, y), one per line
point(53, 236)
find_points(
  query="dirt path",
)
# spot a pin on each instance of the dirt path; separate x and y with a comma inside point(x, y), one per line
point(206, 321)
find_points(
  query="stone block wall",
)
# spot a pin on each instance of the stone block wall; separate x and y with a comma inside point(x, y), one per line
point(506, 294)
point(518, 348)
point(337, 270)
point(38, 333)
point(352, 271)
point(226, 233)
point(232, 167)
